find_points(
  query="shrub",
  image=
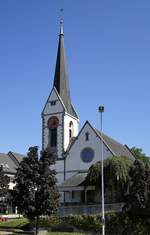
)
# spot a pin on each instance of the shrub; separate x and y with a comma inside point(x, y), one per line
point(49, 221)
point(84, 222)
point(116, 223)
point(123, 223)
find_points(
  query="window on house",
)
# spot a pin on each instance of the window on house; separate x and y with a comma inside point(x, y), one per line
point(86, 136)
point(70, 130)
point(53, 102)
point(53, 123)
point(70, 134)
point(53, 137)
point(87, 155)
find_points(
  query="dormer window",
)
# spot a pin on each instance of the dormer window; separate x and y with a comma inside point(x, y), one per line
point(53, 102)
point(87, 136)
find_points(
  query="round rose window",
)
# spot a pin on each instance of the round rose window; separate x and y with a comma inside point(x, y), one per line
point(87, 155)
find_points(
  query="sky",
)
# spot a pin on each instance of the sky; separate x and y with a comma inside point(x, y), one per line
point(108, 55)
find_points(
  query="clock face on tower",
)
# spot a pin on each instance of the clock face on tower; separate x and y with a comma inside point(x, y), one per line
point(53, 122)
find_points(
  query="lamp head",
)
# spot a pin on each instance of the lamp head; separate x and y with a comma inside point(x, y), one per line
point(101, 109)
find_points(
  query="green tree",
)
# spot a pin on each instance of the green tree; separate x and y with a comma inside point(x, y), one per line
point(36, 193)
point(116, 175)
point(4, 190)
point(138, 153)
point(138, 197)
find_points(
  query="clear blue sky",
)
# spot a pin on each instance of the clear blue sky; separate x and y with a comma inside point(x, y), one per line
point(108, 52)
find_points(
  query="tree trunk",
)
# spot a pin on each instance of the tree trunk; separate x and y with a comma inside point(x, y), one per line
point(37, 225)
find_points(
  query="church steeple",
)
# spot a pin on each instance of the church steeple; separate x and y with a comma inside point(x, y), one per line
point(61, 82)
point(59, 119)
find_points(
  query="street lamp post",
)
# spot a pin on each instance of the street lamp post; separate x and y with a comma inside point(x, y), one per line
point(101, 110)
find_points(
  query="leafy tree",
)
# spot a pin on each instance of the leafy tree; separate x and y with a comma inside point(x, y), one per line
point(138, 197)
point(35, 193)
point(116, 175)
point(4, 187)
point(138, 153)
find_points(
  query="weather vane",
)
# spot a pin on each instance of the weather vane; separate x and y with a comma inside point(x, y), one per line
point(61, 14)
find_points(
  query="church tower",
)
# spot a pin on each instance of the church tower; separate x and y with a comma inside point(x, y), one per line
point(59, 119)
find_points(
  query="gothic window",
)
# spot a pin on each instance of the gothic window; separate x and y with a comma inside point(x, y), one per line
point(70, 130)
point(86, 136)
point(53, 123)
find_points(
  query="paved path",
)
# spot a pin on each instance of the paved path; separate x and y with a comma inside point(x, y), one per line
point(5, 232)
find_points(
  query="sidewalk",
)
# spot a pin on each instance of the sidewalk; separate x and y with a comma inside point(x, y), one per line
point(12, 216)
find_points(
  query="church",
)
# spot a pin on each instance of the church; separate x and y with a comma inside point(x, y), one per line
point(75, 151)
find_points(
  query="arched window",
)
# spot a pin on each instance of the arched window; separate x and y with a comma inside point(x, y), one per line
point(70, 130)
point(52, 124)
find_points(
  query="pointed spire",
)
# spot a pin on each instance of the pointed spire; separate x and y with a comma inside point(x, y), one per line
point(61, 82)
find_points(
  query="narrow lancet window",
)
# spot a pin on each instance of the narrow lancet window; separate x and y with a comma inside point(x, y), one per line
point(87, 136)
point(70, 130)
point(53, 137)
point(53, 123)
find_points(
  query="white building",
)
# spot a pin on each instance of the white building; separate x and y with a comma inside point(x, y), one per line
point(75, 151)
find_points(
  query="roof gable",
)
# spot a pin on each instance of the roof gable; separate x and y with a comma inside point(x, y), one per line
point(112, 145)
point(8, 164)
point(16, 157)
point(82, 129)
point(54, 96)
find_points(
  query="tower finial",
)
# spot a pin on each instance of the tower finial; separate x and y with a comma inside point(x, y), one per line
point(61, 22)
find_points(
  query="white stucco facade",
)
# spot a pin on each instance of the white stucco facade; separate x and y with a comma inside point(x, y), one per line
point(74, 162)
point(51, 110)
point(75, 151)
point(67, 124)
point(70, 124)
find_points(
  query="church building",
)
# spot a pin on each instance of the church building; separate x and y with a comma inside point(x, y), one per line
point(75, 151)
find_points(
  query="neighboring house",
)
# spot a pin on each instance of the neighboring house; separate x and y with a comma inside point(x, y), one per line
point(74, 151)
point(10, 163)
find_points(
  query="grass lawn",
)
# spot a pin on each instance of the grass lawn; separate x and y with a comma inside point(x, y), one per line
point(15, 223)
point(20, 223)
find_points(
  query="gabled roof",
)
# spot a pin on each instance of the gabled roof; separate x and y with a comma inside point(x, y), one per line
point(17, 157)
point(114, 146)
point(7, 163)
point(117, 148)
point(75, 180)
point(53, 89)
point(61, 82)
point(10, 162)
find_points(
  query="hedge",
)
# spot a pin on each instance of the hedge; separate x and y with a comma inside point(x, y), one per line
point(116, 223)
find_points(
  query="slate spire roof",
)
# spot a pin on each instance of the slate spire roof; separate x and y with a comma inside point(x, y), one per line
point(61, 82)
